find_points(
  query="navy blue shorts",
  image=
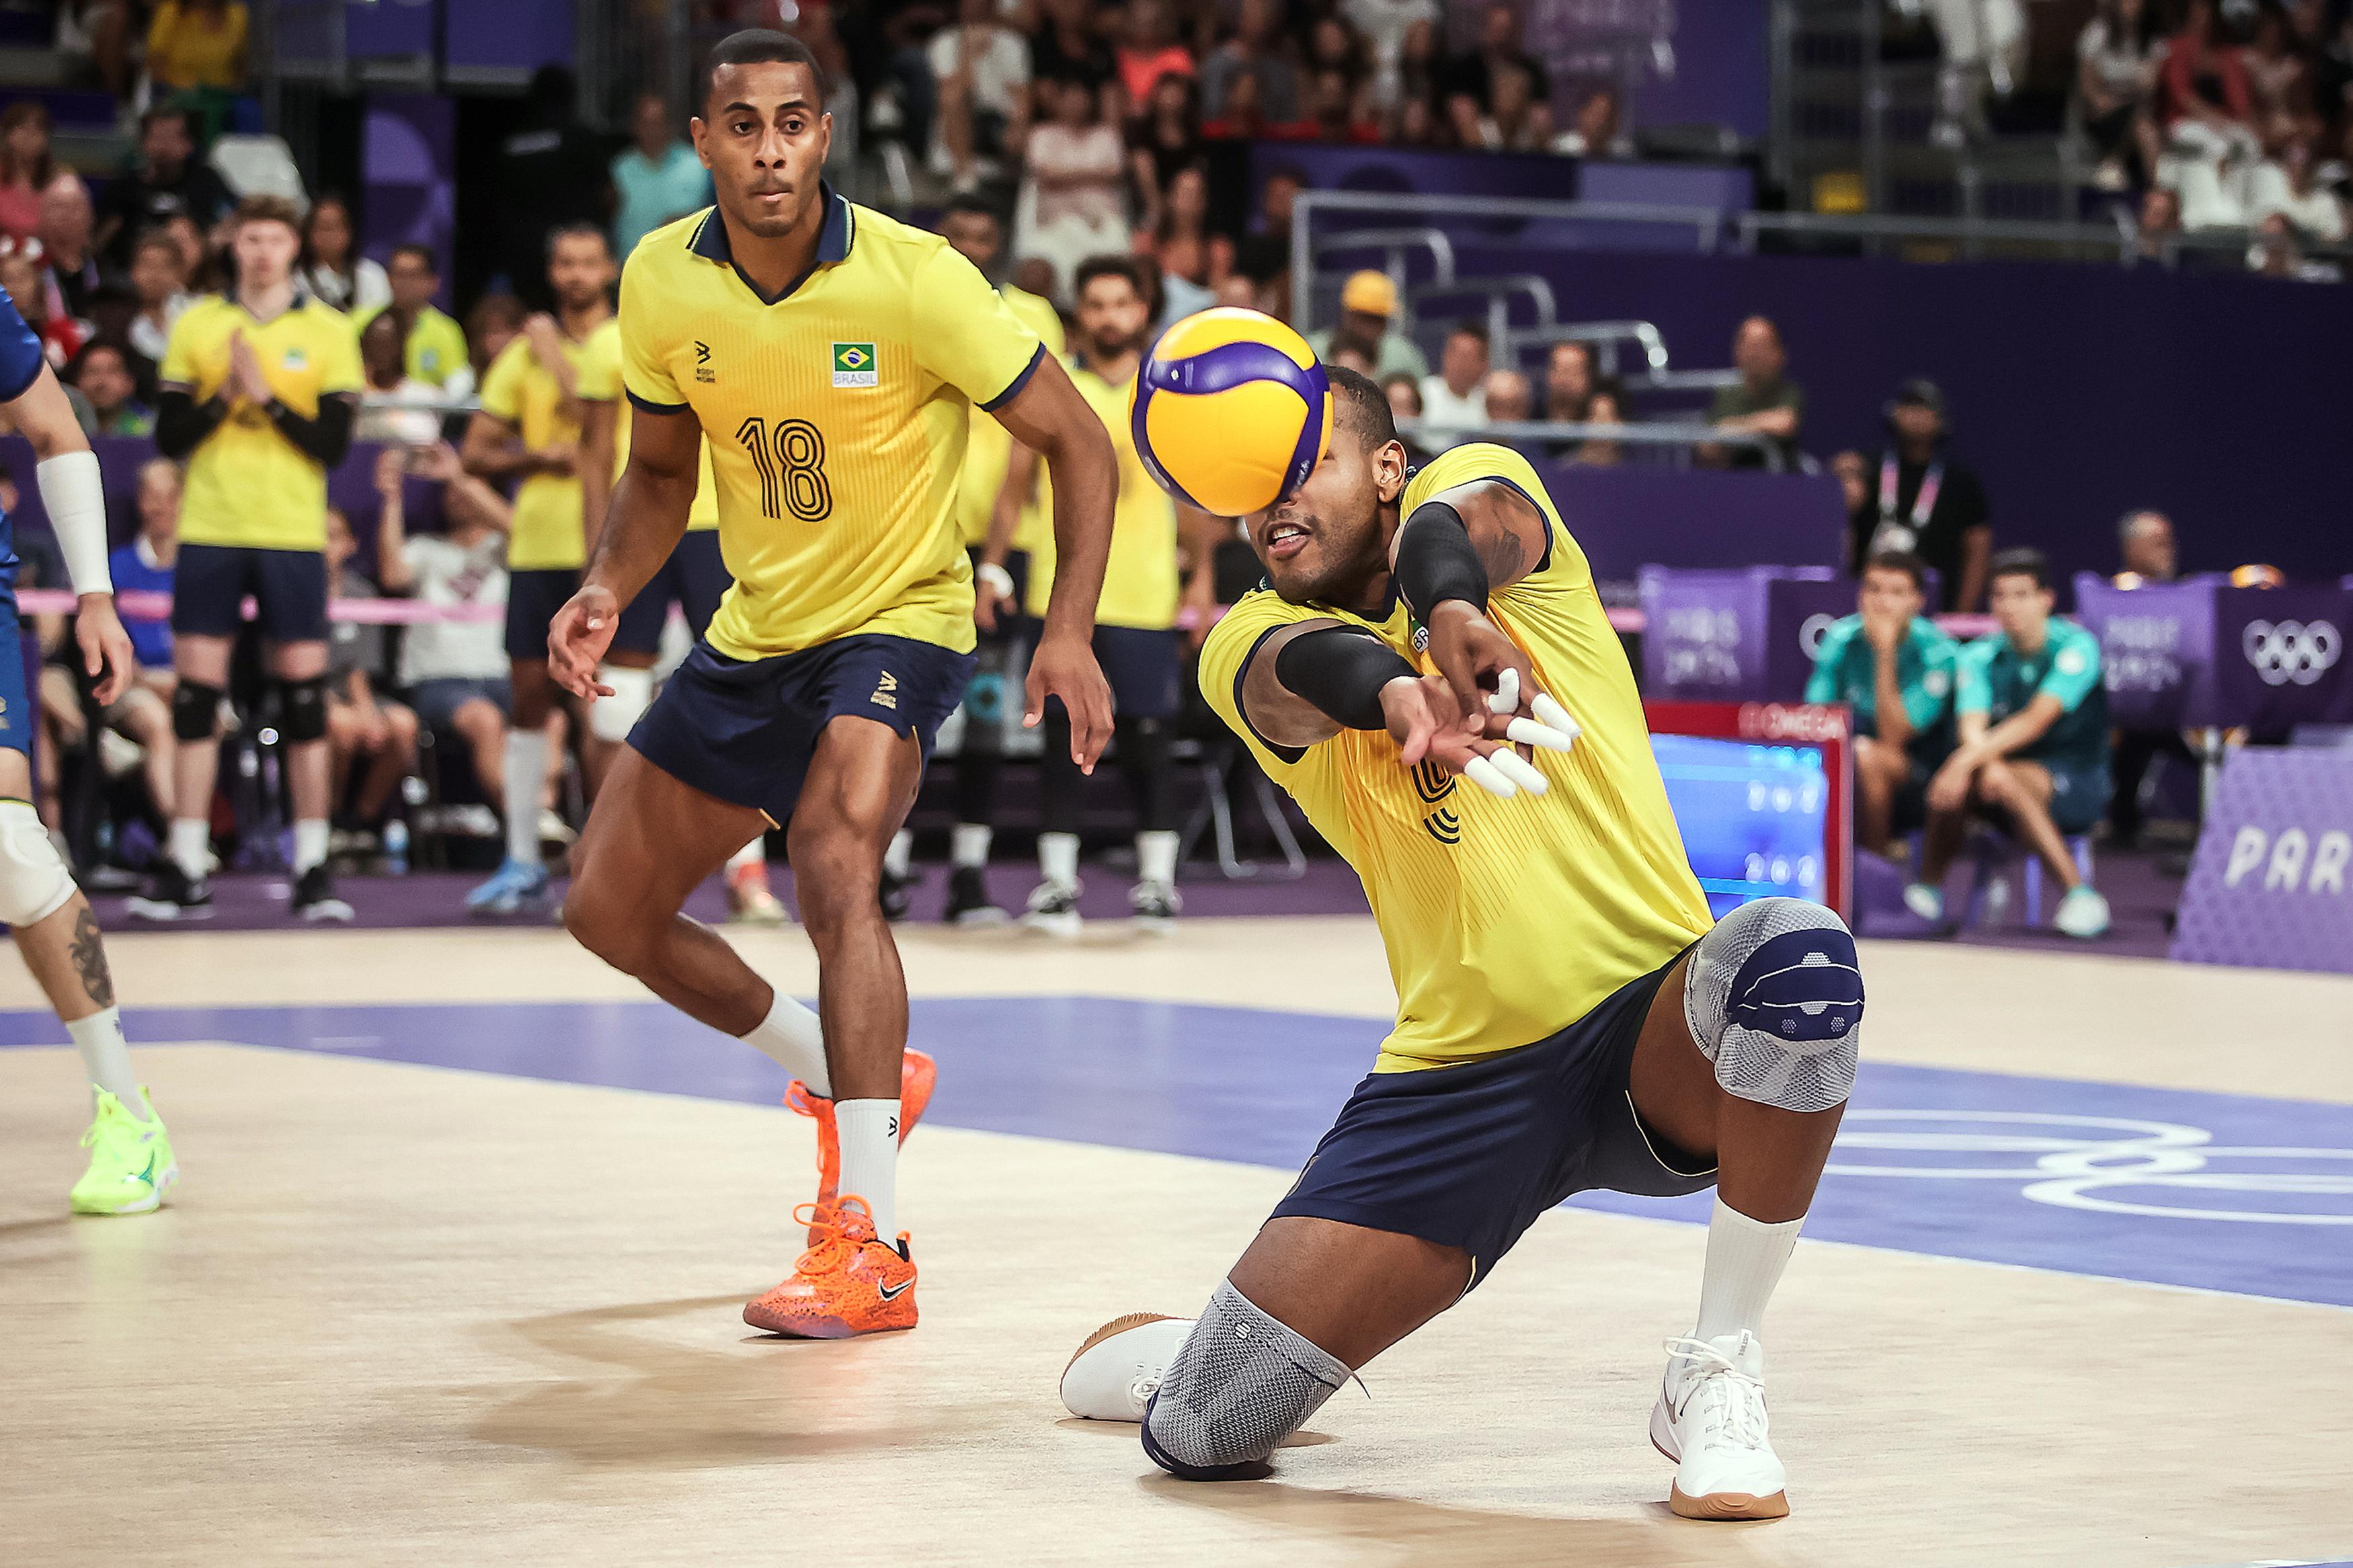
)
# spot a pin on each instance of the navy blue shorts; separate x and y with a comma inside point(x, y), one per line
point(533, 595)
point(744, 731)
point(18, 717)
point(289, 586)
point(1469, 1156)
point(694, 578)
point(1145, 668)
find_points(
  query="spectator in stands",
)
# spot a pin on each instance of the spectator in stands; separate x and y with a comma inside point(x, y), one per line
point(1601, 408)
point(197, 46)
point(1147, 51)
point(28, 285)
point(64, 232)
point(1454, 400)
point(1765, 402)
point(364, 728)
point(1508, 398)
point(1347, 355)
point(1891, 664)
point(1066, 47)
point(657, 178)
point(816, 26)
point(1983, 44)
point(1596, 131)
point(2278, 252)
point(1404, 393)
point(142, 714)
point(1512, 119)
point(27, 166)
point(1164, 143)
point(982, 69)
point(1852, 471)
point(1078, 169)
point(495, 322)
point(1333, 44)
point(2288, 186)
point(1255, 51)
point(434, 352)
point(1369, 306)
point(100, 33)
point(1264, 254)
point(1929, 505)
point(2205, 80)
point(1187, 255)
point(1471, 77)
point(1340, 109)
point(549, 175)
point(2118, 57)
point(199, 263)
point(333, 271)
point(455, 671)
point(1422, 74)
point(397, 408)
point(2033, 743)
point(159, 293)
point(168, 183)
point(2146, 552)
point(102, 372)
point(1568, 382)
point(1384, 25)
point(2160, 221)
point(2279, 83)
point(2146, 547)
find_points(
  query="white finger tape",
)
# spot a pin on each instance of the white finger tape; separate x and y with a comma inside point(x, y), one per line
point(1506, 699)
point(1544, 737)
point(1520, 770)
point(1552, 714)
point(1483, 772)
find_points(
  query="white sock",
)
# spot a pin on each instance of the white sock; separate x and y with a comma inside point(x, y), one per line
point(309, 843)
point(753, 854)
point(1156, 857)
point(1058, 858)
point(106, 1058)
point(870, 1157)
point(1744, 1259)
point(526, 771)
point(971, 844)
point(903, 849)
point(791, 1038)
point(191, 846)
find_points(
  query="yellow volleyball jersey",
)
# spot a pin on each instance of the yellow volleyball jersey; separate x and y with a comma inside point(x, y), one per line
point(546, 534)
point(837, 416)
point(246, 483)
point(1140, 587)
point(1504, 921)
point(600, 382)
point(988, 449)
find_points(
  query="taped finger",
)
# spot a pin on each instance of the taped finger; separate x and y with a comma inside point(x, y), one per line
point(1483, 772)
point(1506, 699)
point(1553, 715)
point(1544, 737)
point(1520, 770)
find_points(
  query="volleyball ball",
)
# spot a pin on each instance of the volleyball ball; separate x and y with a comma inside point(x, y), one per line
point(1231, 411)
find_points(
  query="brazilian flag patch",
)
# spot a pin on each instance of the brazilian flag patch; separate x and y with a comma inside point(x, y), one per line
point(853, 364)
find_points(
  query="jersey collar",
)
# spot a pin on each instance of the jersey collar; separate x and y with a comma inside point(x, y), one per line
point(833, 241)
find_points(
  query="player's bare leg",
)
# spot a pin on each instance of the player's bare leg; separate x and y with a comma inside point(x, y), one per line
point(1878, 769)
point(2022, 791)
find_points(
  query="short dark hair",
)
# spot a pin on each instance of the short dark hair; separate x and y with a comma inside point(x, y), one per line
point(423, 253)
point(161, 112)
point(758, 45)
point(564, 231)
point(1902, 561)
point(1095, 267)
point(265, 208)
point(1361, 406)
point(1471, 328)
point(2022, 561)
point(971, 204)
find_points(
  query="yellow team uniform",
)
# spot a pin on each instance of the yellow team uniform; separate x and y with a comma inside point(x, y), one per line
point(1504, 921)
point(436, 349)
point(547, 533)
point(248, 484)
point(1140, 587)
point(988, 449)
point(836, 416)
point(600, 382)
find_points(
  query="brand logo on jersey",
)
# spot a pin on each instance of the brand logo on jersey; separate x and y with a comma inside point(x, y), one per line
point(853, 364)
point(1434, 784)
point(704, 374)
point(294, 359)
point(886, 691)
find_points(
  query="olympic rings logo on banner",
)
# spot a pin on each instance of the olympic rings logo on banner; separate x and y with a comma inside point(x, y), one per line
point(2300, 651)
point(2069, 1162)
point(1810, 634)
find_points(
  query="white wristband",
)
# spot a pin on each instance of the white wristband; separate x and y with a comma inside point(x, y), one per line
point(76, 500)
point(999, 580)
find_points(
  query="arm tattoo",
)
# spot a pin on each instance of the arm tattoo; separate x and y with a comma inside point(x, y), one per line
point(90, 960)
point(1503, 556)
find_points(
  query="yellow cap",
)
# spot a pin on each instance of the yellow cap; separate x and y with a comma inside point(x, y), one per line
point(1371, 292)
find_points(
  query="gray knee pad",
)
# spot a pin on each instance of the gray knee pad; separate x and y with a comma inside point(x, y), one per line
point(1773, 997)
point(1241, 1384)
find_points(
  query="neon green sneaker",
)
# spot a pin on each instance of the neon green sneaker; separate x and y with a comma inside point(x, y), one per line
point(130, 1162)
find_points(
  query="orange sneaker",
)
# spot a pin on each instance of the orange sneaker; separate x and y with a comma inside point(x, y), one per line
point(849, 1283)
point(917, 1077)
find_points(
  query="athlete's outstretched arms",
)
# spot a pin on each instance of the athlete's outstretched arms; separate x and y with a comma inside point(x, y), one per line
point(1049, 417)
point(1458, 546)
point(68, 474)
point(643, 526)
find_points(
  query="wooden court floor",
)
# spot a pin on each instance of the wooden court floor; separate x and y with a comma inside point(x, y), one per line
point(406, 1314)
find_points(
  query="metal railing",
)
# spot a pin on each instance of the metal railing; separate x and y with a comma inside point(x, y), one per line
point(1683, 434)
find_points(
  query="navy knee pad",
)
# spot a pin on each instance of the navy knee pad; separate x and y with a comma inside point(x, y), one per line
point(1773, 999)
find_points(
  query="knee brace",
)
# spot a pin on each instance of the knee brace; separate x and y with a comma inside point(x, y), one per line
point(1774, 998)
point(195, 711)
point(34, 881)
point(1241, 1384)
point(610, 719)
point(306, 708)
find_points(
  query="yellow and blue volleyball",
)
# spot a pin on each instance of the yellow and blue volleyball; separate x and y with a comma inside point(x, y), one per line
point(1231, 411)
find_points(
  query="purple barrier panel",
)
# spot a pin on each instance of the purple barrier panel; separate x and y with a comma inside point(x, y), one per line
point(1800, 607)
point(1328, 167)
point(1726, 188)
point(1626, 519)
point(374, 29)
point(408, 142)
point(508, 41)
point(2277, 660)
point(1705, 637)
point(2268, 887)
point(2153, 639)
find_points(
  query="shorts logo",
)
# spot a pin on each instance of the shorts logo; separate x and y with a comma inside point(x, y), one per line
point(2298, 651)
point(886, 691)
point(704, 374)
point(853, 364)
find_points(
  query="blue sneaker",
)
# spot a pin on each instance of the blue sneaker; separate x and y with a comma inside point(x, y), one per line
point(513, 885)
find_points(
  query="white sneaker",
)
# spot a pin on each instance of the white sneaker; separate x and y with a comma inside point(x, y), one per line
point(1156, 906)
point(1054, 908)
point(1924, 902)
point(2082, 913)
point(1710, 1420)
point(1118, 1370)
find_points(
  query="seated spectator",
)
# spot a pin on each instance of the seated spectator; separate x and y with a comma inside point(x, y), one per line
point(1165, 144)
point(1384, 25)
point(1852, 471)
point(169, 182)
point(657, 178)
point(455, 672)
point(1601, 408)
point(1929, 505)
point(1512, 119)
point(434, 353)
point(1369, 306)
point(142, 714)
point(2118, 57)
point(1347, 355)
point(1339, 109)
point(1568, 382)
point(982, 69)
point(159, 293)
point(1333, 44)
point(2033, 743)
point(1891, 664)
point(1595, 130)
point(1404, 393)
point(197, 46)
point(1470, 85)
point(1264, 254)
point(1454, 400)
point(1764, 402)
point(1182, 245)
point(1078, 170)
point(28, 284)
point(1147, 51)
point(1422, 71)
point(332, 270)
point(2278, 252)
point(1066, 47)
point(63, 233)
point(1508, 398)
point(2288, 186)
point(396, 407)
point(364, 730)
point(1255, 51)
point(2279, 84)
point(2146, 549)
point(2146, 556)
point(1983, 45)
point(200, 268)
point(2205, 81)
point(102, 372)
point(2160, 223)
point(27, 166)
